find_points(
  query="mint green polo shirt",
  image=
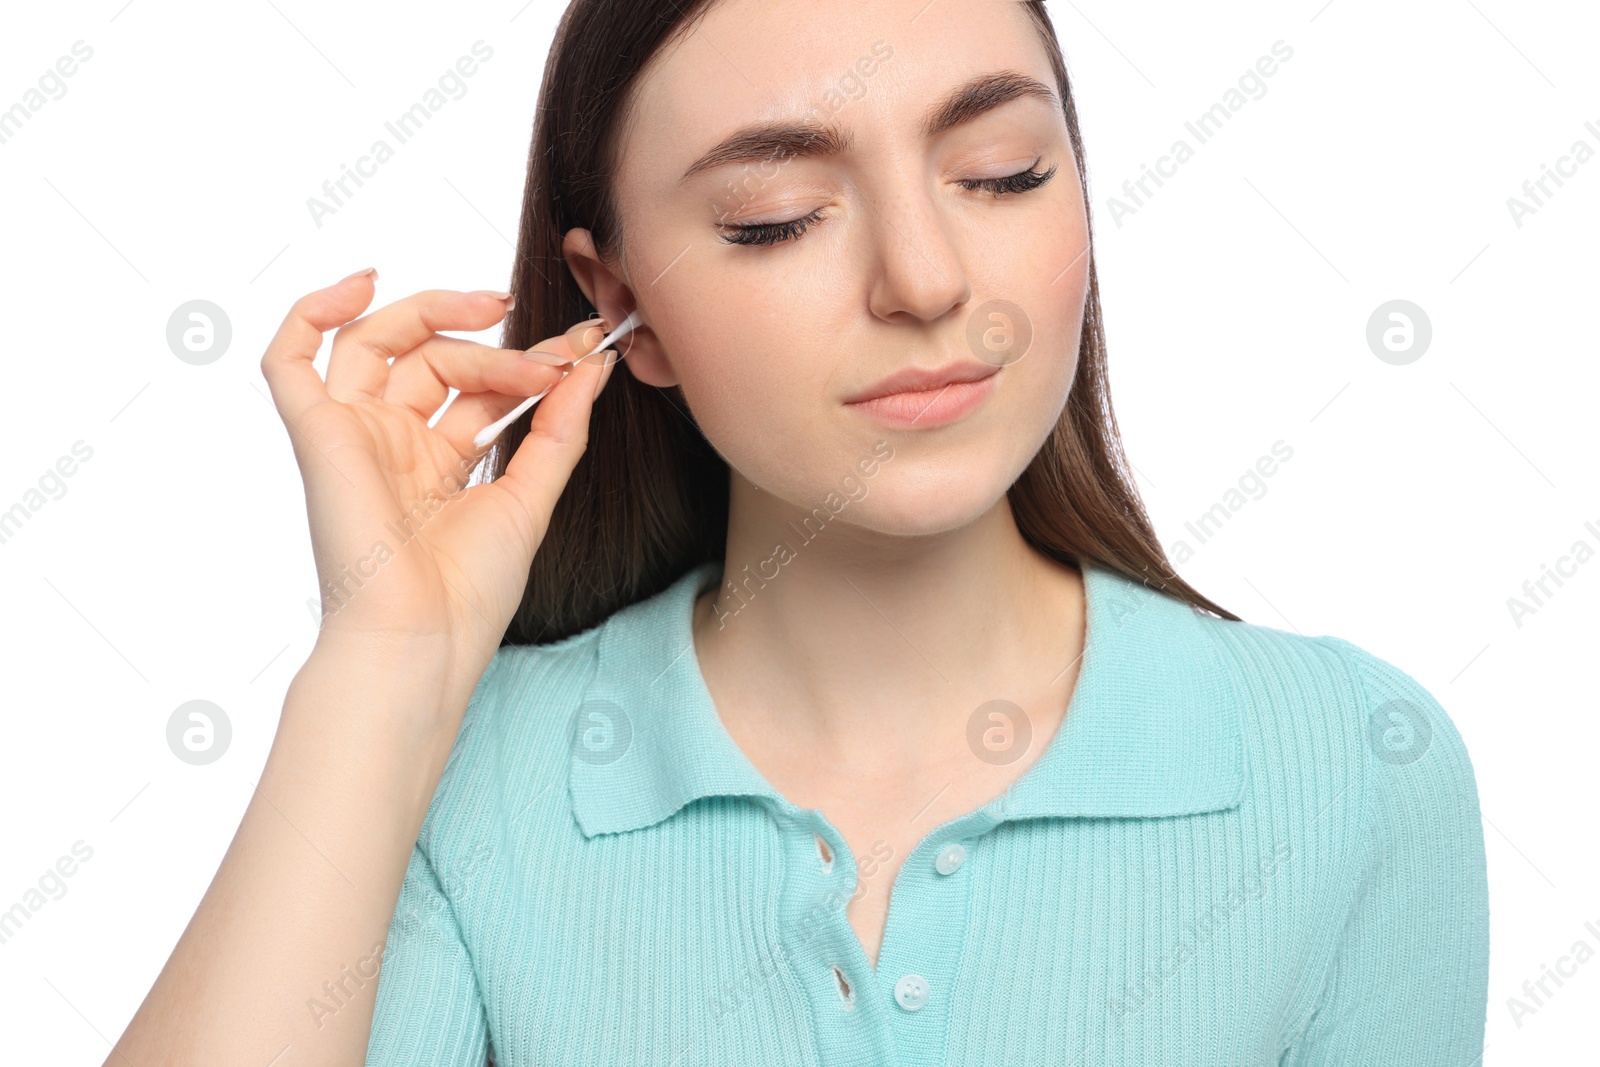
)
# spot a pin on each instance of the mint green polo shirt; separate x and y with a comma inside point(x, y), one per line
point(1242, 846)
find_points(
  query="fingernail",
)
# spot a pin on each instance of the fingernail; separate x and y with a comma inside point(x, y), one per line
point(606, 362)
point(549, 359)
point(370, 270)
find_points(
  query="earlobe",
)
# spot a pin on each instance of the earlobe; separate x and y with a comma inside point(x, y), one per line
point(609, 292)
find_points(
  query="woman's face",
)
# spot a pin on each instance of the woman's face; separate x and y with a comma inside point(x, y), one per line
point(778, 284)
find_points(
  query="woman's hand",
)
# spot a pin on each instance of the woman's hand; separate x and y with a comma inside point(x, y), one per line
point(405, 551)
point(420, 577)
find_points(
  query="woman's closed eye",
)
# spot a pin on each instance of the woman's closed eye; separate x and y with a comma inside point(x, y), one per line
point(1021, 182)
point(766, 233)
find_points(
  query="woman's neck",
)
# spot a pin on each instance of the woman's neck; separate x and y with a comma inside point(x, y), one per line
point(874, 652)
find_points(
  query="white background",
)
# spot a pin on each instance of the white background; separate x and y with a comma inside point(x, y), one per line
point(1377, 166)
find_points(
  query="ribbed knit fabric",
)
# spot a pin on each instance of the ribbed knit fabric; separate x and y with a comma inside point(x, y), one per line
point(1242, 846)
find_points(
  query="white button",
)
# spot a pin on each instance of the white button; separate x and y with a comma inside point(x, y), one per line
point(951, 857)
point(911, 992)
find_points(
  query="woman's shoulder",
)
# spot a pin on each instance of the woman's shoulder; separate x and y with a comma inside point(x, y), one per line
point(1325, 704)
point(1358, 764)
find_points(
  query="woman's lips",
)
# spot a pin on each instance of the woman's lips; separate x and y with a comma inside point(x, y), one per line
point(928, 408)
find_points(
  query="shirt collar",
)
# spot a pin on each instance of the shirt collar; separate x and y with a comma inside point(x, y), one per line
point(1153, 727)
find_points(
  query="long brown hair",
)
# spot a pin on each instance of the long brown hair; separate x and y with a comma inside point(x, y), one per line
point(649, 498)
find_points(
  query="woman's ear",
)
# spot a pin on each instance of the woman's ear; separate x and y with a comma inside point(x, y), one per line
point(608, 292)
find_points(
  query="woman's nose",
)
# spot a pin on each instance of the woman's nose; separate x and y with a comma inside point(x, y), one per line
point(917, 257)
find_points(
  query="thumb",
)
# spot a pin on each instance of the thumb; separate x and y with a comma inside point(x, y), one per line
point(558, 432)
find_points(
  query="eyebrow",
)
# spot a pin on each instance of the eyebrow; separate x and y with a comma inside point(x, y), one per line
point(783, 140)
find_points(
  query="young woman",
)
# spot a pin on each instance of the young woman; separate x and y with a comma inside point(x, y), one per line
point(818, 691)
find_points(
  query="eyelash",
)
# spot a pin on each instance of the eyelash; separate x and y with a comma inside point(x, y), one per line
point(766, 233)
point(1021, 182)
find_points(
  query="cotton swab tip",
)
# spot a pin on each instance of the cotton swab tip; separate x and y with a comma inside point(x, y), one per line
point(627, 326)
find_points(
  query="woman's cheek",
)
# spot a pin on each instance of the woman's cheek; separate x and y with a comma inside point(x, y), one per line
point(734, 414)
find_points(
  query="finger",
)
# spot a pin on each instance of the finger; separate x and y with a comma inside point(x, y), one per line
point(422, 378)
point(359, 365)
point(582, 338)
point(295, 385)
point(558, 435)
point(589, 332)
point(470, 412)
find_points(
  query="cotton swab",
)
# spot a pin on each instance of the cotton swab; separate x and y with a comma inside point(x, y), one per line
point(490, 432)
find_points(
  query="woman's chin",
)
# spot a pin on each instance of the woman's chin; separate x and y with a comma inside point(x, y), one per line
point(905, 511)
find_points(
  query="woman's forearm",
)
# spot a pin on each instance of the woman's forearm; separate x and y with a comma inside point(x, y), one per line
point(283, 949)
